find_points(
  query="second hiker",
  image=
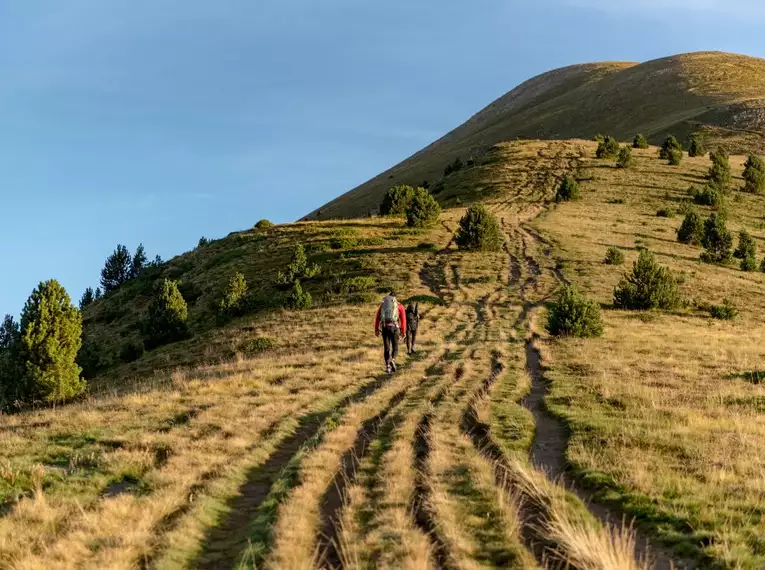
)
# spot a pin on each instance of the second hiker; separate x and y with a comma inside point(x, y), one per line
point(391, 322)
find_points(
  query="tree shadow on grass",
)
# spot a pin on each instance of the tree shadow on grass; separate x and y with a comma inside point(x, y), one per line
point(756, 377)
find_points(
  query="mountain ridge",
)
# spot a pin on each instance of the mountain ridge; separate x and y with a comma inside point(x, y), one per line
point(719, 94)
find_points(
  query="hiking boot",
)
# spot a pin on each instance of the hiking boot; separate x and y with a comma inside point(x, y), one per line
point(393, 366)
point(387, 369)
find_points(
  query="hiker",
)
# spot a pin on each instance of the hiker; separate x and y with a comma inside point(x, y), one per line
point(391, 320)
point(412, 322)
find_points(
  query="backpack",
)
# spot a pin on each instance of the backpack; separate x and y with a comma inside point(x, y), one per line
point(389, 311)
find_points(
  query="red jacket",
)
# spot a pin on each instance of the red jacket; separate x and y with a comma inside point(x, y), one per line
point(401, 318)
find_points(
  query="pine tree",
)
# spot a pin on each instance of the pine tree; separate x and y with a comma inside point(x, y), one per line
point(754, 174)
point(640, 142)
point(51, 336)
point(568, 190)
point(479, 230)
point(625, 158)
point(719, 173)
point(11, 371)
point(233, 302)
point(138, 263)
point(746, 246)
point(116, 270)
point(692, 229)
point(670, 143)
point(98, 294)
point(717, 240)
point(87, 298)
point(649, 286)
point(696, 146)
point(423, 211)
point(168, 316)
point(396, 200)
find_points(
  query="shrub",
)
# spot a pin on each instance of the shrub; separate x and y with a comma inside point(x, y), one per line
point(423, 211)
point(257, 345)
point(607, 148)
point(479, 230)
point(357, 285)
point(727, 311)
point(574, 315)
point(455, 166)
point(665, 213)
point(675, 157)
point(640, 142)
point(299, 299)
point(670, 144)
point(131, 351)
point(749, 263)
point(754, 174)
point(691, 231)
point(233, 303)
point(614, 256)
point(50, 338)
point(625, 158)
point(168, 316)
point(709, 195)
point(298, 267)
point(263, 224)
point(696, 146)
point(343, 242)
point(116, 270)
point(719, 173)
point(717, 240)
point(203, 241)
point(396, 201)
point(746, 246)
point(649, 286)
point(87, 298)
point(568, 190)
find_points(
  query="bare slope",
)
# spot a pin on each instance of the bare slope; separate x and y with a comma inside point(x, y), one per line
point(720, 94)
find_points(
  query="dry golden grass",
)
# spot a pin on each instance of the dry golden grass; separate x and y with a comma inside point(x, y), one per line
point(665, 409)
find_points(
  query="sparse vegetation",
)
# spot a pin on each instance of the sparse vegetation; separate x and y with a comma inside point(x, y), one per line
point(614, 256)
point(665, 213)
point(727, 311)
point(574, 315)
point(649, 286)
point(479, 230)
point(568, 190)
point(640, 142)
point(455, 166)
point(423, 211)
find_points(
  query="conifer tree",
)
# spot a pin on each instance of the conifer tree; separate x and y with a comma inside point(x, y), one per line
point(87, 298)
point(139, 261)
point(51, 336)
point(168, 316)
point(117, 269)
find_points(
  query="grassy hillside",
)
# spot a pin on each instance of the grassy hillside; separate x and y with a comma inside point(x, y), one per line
point(303, 454)
point(718, 94)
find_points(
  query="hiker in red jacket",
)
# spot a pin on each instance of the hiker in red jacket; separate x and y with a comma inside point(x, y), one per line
point(391, 319)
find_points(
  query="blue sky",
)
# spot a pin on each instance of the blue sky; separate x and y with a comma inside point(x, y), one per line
point(159, 121)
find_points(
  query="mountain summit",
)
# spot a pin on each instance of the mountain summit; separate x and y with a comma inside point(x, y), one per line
point(718, 94)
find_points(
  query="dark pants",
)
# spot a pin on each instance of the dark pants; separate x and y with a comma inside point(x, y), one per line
point(390, 343)
point(411, 338)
